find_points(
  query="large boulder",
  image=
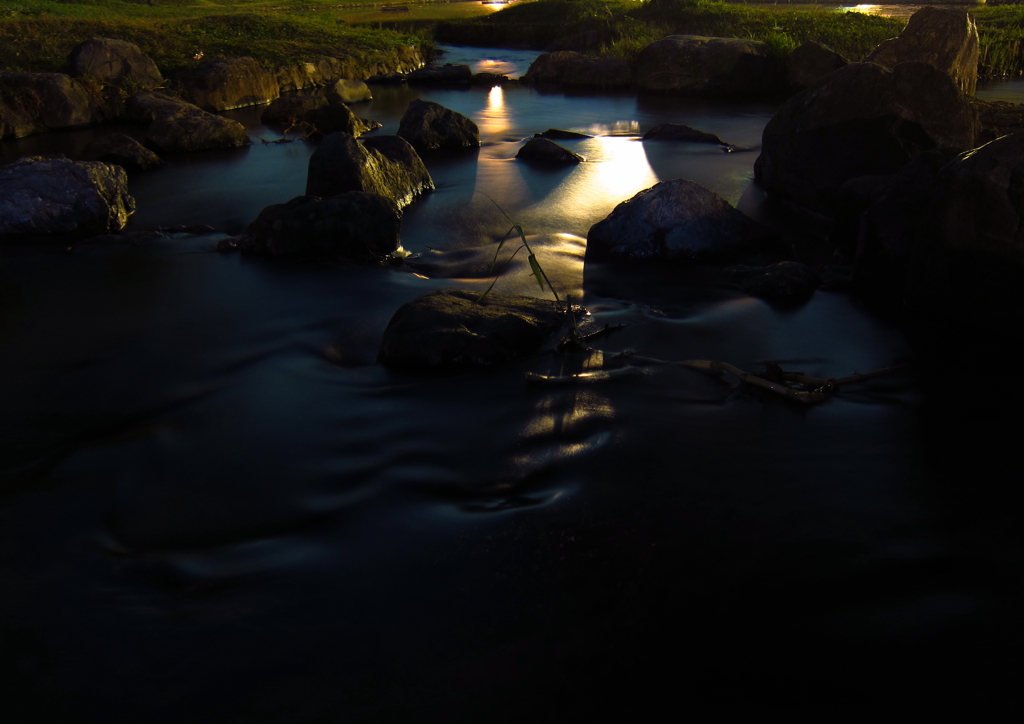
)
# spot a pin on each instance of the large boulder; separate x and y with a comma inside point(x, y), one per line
point(53, 100)
point(355, 225)
point(386, 165)
point(945, 38)
point(543, 150)
point(811, 62)
point(454, 330)
point(109, 60)
point(220, 85)
point(337, 117)
point(147, 106)
point(695, 64)
point(310, 74)
point(677, 220)
point(123, 150)
point(346, 90)
point(191, 129)
point(430, 126)
point(292, 109)
point(572, 69)
point(57, 196)
point(861, 120)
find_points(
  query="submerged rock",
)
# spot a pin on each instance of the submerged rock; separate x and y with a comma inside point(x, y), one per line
point(220, 85)
point(546, 151)
point(677, 220)
point(191, 129)
point(430, 127)
point(783, 283)
point(354, 225)
point(681, 132)
point(450, 330)
point(695, 64)
point(110, 60)
point(945, 38)
point(387, 165)
point(123, 150)
point(56, 196)
point(562, 135)
point(860, 120)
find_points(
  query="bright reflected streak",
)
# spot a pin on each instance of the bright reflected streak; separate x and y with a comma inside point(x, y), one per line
point(616, 170)
point(493, 118)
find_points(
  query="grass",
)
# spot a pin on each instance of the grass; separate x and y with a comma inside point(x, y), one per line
point(37, 35)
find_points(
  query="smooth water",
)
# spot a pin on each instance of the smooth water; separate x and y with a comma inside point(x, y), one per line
point(217, 508)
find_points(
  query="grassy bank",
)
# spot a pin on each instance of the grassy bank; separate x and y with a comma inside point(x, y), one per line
point(37, 35)
point(622, 28)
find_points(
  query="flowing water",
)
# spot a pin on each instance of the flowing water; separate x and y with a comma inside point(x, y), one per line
point(217, 508)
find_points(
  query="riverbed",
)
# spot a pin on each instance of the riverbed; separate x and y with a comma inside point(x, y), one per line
point(217, 508)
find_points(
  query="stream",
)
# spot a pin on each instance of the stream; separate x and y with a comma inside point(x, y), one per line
point(215, 506)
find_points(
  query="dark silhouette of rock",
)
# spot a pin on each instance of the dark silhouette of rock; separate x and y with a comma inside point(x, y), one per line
point(291, 109)
point(354, 225)
point(861, 120)
point(997, 119)
point(562, 135)
point(676, 220)
point(430, 127)
point(543, 150)
point(450, 330)
point(488, 79)
point(784, 283)
point(123, 150)
point(346, 90)
point(446, 74)
point(220, 85)
point(573, 69)
point(192, 129)
point(386, 79)
point(53, 100)
point(147, 106)
point(337, 117)
point(15, 121)
point(945, 38)
point(109, 60)
point(811, 62)
point(680, 132)
point(694, 64)
point(56, 196)
point(387, 166)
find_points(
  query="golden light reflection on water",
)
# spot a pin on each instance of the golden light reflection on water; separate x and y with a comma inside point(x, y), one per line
point(493, 119)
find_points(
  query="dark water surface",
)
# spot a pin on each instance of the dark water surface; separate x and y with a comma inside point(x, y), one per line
point(216, 508)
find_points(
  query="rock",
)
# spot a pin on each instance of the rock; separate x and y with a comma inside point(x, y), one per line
point(489, 79)
point(430, 126)
point(58, 196)
point(123, 150)
point(853, 199)
point(811, 62)
point(354, 225)
point(861, 120)
point(450, 330)
point(945, 38)
point(890, 228)
point(446, 74)
point(289, 110)
point(680, 132)
point(783, 283)
point(998, 119)
point(147, 106)
point(677, 220)
point(337, 117)
point(188, 129)
point(562, 135)
point(52, 100)
point(386, 165)
point(571, 68)
point(311, 74)
point(387, 79)
point(15, 121)
point(349, 91)
point(109, 60)
point(694, 64)
point(546, 151)
point(220, 85)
